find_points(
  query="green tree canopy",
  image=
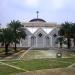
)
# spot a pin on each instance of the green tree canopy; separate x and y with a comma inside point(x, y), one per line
point(17, 30)
point(6, 36)
point(66, 32)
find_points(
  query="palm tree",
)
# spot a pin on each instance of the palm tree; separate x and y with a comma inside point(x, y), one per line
point(66, 32)
point(6, 38)
point(60, 40)
point(18, 31)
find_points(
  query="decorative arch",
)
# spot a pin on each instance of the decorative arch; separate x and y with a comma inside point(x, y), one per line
point(47, 41)
point(33, 41)
point(40, 40)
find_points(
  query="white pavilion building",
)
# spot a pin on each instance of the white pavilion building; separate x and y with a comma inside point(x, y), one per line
point(40, 34)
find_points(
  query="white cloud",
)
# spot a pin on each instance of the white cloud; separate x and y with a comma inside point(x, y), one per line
point(52, 10)
point(55, 4)
point(52, 5)
point(32, 2)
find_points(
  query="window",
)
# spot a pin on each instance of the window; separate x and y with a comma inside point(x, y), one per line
point(54, 35)
point(40, 35)
point(33, 41)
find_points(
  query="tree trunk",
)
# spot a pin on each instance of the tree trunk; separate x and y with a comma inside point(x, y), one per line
point(68, 43)
point(15, 47)
point(6, 49)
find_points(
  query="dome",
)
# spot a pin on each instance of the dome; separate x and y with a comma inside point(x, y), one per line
point(37, 20)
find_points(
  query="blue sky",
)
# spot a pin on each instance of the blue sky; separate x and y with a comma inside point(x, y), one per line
point(24, 10)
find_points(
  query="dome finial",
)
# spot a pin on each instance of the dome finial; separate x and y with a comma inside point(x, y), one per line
point(37, 12)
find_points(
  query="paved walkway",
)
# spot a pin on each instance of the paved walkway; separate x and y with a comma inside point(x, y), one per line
point(49, 53)
point(31, 54)
point(38, 54)
point(71, 66)
point(23, 54)
point(14, 56)
point(58, 71)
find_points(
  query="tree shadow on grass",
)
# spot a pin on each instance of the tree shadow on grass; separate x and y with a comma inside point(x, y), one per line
point(10, 53)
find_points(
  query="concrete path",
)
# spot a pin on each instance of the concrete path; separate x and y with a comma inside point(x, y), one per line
point(23, 54)
point(38, 54)
point(58, 71)
point(13, 56)
point(49, 53)
point(71, 66)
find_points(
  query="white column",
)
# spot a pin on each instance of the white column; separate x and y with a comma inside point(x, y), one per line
point(44, 41)
point(72, 44)
point(36, 41)
point(29, 41)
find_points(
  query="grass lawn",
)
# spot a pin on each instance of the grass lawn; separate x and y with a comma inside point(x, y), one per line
point(69, 54)
point(31, 64)
point(38, 64)
point(6, 70)
point(1, 50)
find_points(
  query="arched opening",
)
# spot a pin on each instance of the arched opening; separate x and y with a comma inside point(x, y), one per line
point(47, 41)
point(40, 40)
point(33, 41)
